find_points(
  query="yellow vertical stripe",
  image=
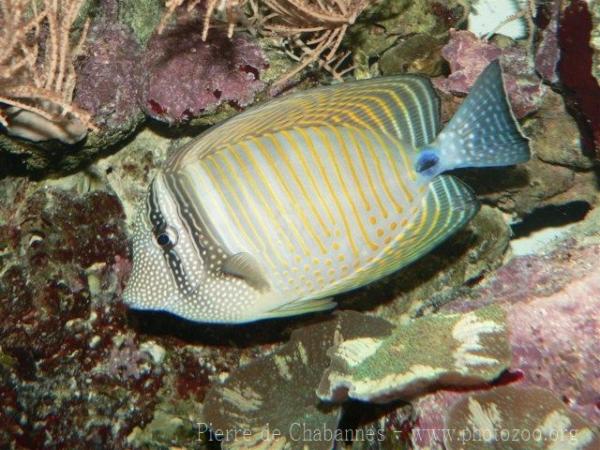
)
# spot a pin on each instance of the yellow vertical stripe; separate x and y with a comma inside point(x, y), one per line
point(342, 183)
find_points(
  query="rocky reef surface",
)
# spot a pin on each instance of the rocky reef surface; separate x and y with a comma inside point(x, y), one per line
point(501, 317)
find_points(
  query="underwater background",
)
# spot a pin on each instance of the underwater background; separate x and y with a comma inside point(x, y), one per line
point(491, 341)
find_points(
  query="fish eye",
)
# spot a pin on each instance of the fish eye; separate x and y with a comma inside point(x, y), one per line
point(167, 238)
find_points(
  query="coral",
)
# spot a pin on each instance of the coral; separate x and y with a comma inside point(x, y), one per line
point(370, 361)
point(75, 371)
point(107, 86)
point(126, 360)
point(37, 74)
point(464, 350)
point(530, 418)
point(272, 400)
point(550, 303)
point(232, 9)
point(314, 29)
point(208, 73)
point(60, 316)
point(468, 56)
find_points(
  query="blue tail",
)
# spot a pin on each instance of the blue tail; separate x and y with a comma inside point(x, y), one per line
point(483, 132)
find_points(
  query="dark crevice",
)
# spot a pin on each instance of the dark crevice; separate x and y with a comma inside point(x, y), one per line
point(551, 217)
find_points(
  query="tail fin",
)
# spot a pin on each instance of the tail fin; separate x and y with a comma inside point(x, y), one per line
point(484, 131)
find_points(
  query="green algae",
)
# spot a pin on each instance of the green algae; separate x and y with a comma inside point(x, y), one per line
point(436, 350)
point(142, 16)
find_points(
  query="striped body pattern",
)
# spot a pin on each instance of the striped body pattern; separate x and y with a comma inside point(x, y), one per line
point(285, 205)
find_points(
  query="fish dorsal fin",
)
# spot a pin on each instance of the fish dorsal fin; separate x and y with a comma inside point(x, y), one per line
point(405, 107)
point(245, 266)
point(447, 207)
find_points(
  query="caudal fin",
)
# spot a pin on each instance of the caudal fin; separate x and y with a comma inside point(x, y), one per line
point(484, 131)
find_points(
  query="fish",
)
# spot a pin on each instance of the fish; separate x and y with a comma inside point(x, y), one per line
point(275, 211)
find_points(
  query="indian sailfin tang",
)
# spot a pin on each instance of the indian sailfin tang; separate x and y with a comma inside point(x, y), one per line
point(287, 204)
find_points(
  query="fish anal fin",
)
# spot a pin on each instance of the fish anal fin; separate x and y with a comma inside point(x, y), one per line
point(300, 307)
point(448, 206)
point(245, 266)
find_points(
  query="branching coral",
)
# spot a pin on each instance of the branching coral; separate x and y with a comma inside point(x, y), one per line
point(315, 28)
point(37, 74)
point(230, 8)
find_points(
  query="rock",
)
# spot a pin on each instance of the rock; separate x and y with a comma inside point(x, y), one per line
point(380, 26)
point(550, 302)
point(419, 53)
point(548, 51)
point(468, 56)
point(272, 400)
point(576, 69)
point(141, 16)
point(61, 338)
point(595, 38)
point(520, 190)
point(553, 319)
point(108, 81)
point(107, 85)
point(555, 136)
point(77, 370)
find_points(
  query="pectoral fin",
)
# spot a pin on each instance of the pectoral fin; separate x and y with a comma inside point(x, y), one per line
point(245, 266)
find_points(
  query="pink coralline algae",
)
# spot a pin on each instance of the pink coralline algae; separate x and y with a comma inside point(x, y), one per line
point(552, 305)
point(59, 317)
point(469, 55)
point(108, 78)
point(556, 343)
point(186, 76)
